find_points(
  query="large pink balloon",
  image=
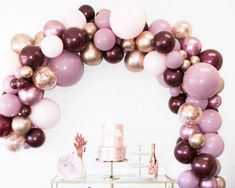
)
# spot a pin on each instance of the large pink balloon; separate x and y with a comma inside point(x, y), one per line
point(188, 180)
point(201, 81)
point(211, 121)
point(45, 114)
point(10, 105)
point(68, 67)
point(214, 145)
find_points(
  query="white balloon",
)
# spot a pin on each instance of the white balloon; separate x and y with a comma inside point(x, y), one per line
point(154, 63)
point(74, 18)
point(127, 20)
point(45, 114)
point(175, 168)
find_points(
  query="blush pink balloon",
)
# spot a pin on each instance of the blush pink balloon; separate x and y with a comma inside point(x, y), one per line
point(202, 103)
point(6, 85)
point(10, 105)
point(188, 180)
point(201, 81)
point(68, 67)
point(158, 26)
point(187, 130)
point(45, 114)
point(214, 145)
point(208, 183)
point(102, 19)
point(30, 95)
point(53, 27)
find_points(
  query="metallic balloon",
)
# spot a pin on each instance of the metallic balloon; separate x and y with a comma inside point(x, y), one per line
point(145, 42)
point(128, 45)
point(190, 114)
point(182, 29)
point(183, 53)
point(38, 38)
point(19, 41)
point(21, 125)
point(197, 140)
point(14, 142)
point(134, 61)
point(186, 64)
point(194, 59)
point(91, 55)
point(90, 29)
point(221, 87)
point(221, 182)
point(44, 78)
point(26, 71)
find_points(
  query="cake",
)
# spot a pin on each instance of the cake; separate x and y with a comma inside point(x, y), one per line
point(112, 148)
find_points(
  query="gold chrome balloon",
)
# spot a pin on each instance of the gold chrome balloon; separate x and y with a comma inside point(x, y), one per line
point(221, 182)
point(183, 53)
point(14, 142)
point(44, 78)
point(38, 38)
point(194, 59)
point(197, 140)
point(134, 61)
point(190, 114)
point(182, 29)
point(128, 45)
point(90, 29)
point(19, 41)
point(91, 55)
point(21, 125)
point(145, 42)
point(186, 64)
point(26, 71)
point(221, 87)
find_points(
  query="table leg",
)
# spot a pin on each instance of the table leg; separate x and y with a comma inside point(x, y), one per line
point(169, 185)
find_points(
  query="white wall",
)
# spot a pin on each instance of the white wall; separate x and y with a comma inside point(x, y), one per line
point(109, 93)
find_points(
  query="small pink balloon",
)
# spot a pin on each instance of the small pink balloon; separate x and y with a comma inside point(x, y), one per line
point(102, 19)
point(214, 145)
point(53, 27)
point(158, 26)
point(10, 105)
point(202, 103)
point(174, 60)
point(214, 102)
point(187, 179)
point(175, 91)
point(177, 46)
point(104, 39)
point(187, 130)
point(6, 84)
point(208, 183)
point(191, 45)
point(30, 95)
point(201, 81)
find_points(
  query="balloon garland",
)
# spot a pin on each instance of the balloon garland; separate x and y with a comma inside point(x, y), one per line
point(56, 57)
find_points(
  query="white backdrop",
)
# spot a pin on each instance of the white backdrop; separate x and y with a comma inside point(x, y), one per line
point(110, 93)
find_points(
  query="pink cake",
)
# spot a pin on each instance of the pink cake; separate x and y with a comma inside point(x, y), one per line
point(112, 148)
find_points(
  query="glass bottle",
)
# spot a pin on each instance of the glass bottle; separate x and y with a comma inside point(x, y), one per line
point(153, 163)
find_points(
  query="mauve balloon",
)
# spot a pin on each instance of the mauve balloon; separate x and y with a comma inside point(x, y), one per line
point(208, 183)
point(35, 137)
point(202, 103)
point(188, 180)
point(10, 105)
point(5, 125)
point(204, 166)
point(187, 130)
point(184, 153)
point(30, 95)
point(68, 67)
point(212, 57)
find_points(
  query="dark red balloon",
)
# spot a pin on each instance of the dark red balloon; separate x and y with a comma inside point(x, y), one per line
point(173, 77)
point(35, 137)
point(88, 12)
point(13, 83)
point(184, 153)
point(74, 39)
point(31, 56)
point(164, 42)
point(179, 140)
point(21, 83)
point(212, 57)
point(25, 111)
point(5, 125)
point(204, 166)
point(114, 55)
point(175, 103)
point(146, 27)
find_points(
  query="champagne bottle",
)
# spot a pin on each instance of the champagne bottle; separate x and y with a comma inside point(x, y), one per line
point(153, 163)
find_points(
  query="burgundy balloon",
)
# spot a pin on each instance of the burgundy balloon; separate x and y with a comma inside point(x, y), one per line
point(74, 39)
point(88, 12)
point(25, 111)
point(173, 77)
point(22, 83)
point(146, 27)
point(13, 83)
point(184, 153)
point(31, 56)
point(164, 42)
point(179, 140)
point(175, 103)
point(204, 166)
point(114, 55)
point(212, 57)
point(5, 125)
point(214, 102)
point(35, 137)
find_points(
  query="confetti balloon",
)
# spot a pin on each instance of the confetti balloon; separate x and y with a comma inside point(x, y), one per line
point(14, 142)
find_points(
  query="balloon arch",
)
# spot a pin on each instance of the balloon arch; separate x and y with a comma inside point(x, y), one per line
point(56, 57)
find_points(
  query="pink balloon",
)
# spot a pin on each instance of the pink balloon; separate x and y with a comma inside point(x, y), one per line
point(208, 183)
point(68, 67)
point(53, 27)
point(10, 105)
point(6, 85)
point(187, 130)
point(30, 95)
point(202, 103)
point(211, 121)
point(102, 19)
point(188, 180)
point(159, 25)
point(45, 114)
point(214, 145)
point(201, 81)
